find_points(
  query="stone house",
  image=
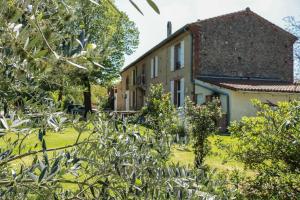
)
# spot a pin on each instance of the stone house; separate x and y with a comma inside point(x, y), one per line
point(236, 57)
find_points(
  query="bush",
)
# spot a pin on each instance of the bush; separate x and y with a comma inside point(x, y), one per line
point(159, 112)
point(269, 143)
point(203, 122)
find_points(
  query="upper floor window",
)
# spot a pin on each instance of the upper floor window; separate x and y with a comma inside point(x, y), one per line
point(127, 83)
point(154, 67)
point(143, 81)
point(177, 56)
point(133, 75)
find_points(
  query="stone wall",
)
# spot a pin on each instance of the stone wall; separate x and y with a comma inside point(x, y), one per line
point(244, 45)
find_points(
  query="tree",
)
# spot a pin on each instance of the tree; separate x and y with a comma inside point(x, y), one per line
point(269, 143)
point(203, 121)
point(112, 162)
point(294, 27)
point(100, 34)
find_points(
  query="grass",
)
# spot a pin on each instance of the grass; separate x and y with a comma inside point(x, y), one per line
point(217, 159)
point(183, 156)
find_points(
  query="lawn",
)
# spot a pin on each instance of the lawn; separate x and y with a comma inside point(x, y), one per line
point(181, 155)
point(216, 159)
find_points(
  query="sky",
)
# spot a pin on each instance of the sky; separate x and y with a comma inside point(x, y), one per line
point(153, 27)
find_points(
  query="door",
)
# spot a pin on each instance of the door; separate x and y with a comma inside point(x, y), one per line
point(127, 100)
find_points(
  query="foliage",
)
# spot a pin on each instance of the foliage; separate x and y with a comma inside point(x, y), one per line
point(293, 25)
point(159, 112)
point(56, 45)
point(113, 162)
point(269, 143)
point(203, 122)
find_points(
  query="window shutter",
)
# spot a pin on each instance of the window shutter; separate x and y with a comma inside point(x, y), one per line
point(172, 58)
point(156, 66)
point(131, 99)
point(172, 91)
point(181, 92)
point(182, 54)
point(132, 77)
point(152, 66)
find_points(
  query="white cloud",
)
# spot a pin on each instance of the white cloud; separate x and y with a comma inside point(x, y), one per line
point(152, 27)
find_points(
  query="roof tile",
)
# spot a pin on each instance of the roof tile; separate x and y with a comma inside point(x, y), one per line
point(253, 85)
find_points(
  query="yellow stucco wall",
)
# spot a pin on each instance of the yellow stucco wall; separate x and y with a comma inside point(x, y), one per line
point(240, 101)
point(165, 75)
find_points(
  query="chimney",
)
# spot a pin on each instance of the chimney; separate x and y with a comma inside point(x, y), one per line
point(169, 29)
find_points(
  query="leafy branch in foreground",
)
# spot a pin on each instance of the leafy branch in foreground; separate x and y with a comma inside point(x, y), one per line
point(108, 164)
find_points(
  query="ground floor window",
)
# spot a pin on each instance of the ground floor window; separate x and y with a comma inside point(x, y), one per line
point(177, 92)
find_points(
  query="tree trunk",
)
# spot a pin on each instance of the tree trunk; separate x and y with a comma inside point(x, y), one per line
point(87, 97)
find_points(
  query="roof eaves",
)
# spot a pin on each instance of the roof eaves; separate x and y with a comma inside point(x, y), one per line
point(165, 41)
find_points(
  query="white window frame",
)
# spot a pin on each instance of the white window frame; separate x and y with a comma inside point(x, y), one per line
point(154, 67)
point(172, 63)
point(180, 56)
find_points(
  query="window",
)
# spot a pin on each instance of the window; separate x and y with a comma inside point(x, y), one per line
point(177, 92)
point(133, 99)
point(127, 83)
point(177, 56)
point(133, 77)
point(208, 98)
point(200, 99)
point(154, 67)
point(143, 81)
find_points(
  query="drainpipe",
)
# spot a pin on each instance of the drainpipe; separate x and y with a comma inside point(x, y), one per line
point(220, 92)
point(192, 64)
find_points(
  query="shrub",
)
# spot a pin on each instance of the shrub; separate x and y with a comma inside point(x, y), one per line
point(269, 143)
point(159, 112)
point(203, 121)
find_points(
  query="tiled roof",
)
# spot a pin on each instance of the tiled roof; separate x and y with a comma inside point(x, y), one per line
point(253, 85)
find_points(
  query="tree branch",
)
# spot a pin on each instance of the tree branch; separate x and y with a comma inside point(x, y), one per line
point(40, 151)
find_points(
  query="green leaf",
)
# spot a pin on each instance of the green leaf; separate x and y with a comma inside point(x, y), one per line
point(4, 123)
point(40, 136)
point(54, 167)
point(138, 182)
point(41, 53)
point(92, 191)
point(42, 174)
point(136, 7)
point(154, 6)
point(44, 145)
point(32, 176)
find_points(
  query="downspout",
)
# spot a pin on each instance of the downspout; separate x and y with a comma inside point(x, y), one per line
point(220, 92)
point(192, 65)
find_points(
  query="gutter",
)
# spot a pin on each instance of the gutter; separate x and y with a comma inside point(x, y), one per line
point(162, 43)
point(220, 92)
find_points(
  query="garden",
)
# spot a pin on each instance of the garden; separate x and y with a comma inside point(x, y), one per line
point(53, 55)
